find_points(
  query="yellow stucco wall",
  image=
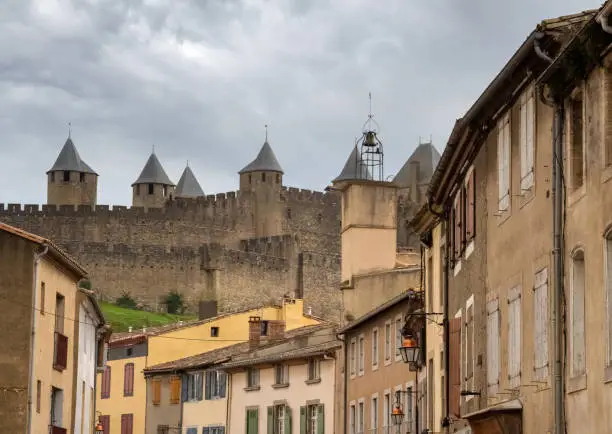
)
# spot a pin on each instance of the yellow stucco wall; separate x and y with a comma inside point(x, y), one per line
point(185, 342)
point(56, 281)
point(118, 404)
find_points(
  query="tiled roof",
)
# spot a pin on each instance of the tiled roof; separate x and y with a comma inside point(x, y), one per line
point(188, 185)
point(54, 249)
point(379, 309)
point(353, 169)
point(69, 159)
point(265, 161)
point(153, 173)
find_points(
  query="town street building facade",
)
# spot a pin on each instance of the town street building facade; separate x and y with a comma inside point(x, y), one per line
point(46, 383)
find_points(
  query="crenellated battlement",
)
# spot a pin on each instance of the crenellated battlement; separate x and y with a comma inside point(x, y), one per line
point(293, 194)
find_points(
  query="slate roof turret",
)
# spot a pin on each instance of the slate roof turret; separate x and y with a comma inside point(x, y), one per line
point(188, 185)
point(353, 169)
point(265, 161)
point(427, 157)
point(70, 160)
point(153, 173)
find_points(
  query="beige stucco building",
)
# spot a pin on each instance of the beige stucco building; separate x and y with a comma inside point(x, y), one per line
point(42, 363)
point(287, 386)
point(492, 189)
point(123, 388)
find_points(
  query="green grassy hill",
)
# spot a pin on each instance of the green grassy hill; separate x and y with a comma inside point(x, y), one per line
point(120, 318)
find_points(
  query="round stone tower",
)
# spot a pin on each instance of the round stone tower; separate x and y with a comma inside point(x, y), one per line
point(71, 181)
point(263, 177)
point(153, 187)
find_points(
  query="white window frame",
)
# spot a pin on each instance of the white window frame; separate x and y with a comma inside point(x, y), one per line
point(469, 248)
point(353, 357)
point(468, 358)
point(388, 343)
point(527, 137)
point(361, 354)
point(375, 337)
point(387, 406)
point(493, 339)
point(504, 146)
point(514, 336)
point(361, 416)
point(541, 318)
point(352, 417)
point(374, 413)
point(576, 371)
point(398, 337)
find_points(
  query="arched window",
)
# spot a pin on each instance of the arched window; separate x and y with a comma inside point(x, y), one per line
point(578, 338)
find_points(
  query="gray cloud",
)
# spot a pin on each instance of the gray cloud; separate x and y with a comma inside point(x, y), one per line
point(199, 79)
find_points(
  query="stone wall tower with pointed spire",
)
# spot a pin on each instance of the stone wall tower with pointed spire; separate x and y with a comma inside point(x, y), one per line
point(263, 178)
point(71, 181)
point(153, 187)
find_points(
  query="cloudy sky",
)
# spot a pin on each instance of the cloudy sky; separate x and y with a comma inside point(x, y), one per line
point(199, 79)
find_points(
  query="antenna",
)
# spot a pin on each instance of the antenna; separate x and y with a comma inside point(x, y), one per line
point(187, 163)
point(69, 129)
point(266, 127)
point(370, 115)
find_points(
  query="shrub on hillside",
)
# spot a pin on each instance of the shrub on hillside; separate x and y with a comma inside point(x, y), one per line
point(126, 300)
point(174, 303)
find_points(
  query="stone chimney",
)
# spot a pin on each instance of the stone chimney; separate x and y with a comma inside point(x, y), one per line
point(276, 330)
point(207, 309)
point(254, 331)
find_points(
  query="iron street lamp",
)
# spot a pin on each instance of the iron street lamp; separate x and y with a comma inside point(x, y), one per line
point(99, 428)
point(410, 351)
point(397, 415)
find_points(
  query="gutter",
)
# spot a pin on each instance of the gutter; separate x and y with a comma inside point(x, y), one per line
point(37, 258)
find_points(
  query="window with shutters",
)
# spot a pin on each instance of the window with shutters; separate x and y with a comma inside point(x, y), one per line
point(527, 110)
point(353, 355)
point(281, 375)
point(455, 364)
point(105, 421)
point(352, 419)
point(361, 354)
point(105, 383)
point(375, 347)
point(576, 139)
point(387, 341)
point(360, 417)
point(513, 346)
point(175, 389)
point(192, 389)
point(386, 411)
point(493, 351)
point(216, 384)
point(503, 162)
point(578, 344)
point(469, 205)
point(156, 395)
point(457, 229)
point(128, 379)
point(430, 282)
point(608, 288)
point(468, 347)
point(314, 369)
point(540, 314)
point(252, 378)
point(194, 430)
point(374, 415)
point(252, 421)
point(127, 423)
point(216, 429)
point(311, 423)
point(281, 420)
point(398, 338)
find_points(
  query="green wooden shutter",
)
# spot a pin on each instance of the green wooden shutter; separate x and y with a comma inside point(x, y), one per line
point(287, 420)
point(247, 422)
point(255, 421)
point(302, 420)
point(321, 420)
point(270, 420)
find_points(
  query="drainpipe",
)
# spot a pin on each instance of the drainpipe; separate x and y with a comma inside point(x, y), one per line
point(37, 257)
point(341, 338)
point(538, 49)
point(557, 314)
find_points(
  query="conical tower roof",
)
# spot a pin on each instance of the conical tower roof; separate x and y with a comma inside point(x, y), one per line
point(70, 160)
point(427, 157)
point(353, 169)
point(265, 161)
point(153, 173)
point(188, 185)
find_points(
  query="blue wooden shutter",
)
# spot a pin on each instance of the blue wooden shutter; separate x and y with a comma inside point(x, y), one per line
point(223, 384)
point(184, 388)
point(302, 420)
point(199, 380)
point(321, 420)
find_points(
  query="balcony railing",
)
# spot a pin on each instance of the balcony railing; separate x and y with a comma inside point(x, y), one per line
point(57, 430)
point(60, 353)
